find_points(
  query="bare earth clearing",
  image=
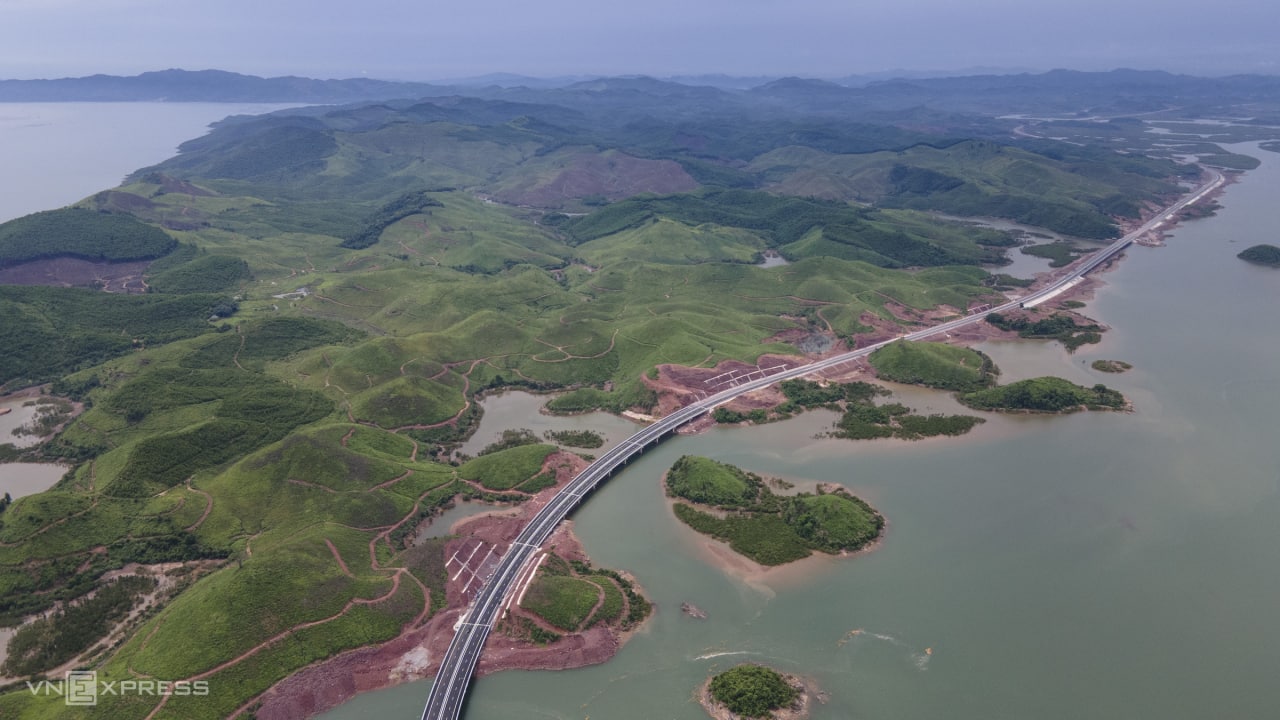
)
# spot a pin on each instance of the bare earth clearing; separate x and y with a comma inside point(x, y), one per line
point(122, 277)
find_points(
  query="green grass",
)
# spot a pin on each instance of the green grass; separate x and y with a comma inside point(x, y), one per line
point(735, 225)
point(243, 422)
point(563, 601)
point(204, 274)
point(410, 400)
point(935, 365)
point(318, 458)
point(506, 469)
point(705, 481)
point(538, 483)
point(663, 240)
point(611, 609)
point(380, 444)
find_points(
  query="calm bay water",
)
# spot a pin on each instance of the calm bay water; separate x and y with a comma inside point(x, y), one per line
point(1095, 565)
point(53, 154)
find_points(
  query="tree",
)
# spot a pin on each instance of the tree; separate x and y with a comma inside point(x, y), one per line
point(752, 690)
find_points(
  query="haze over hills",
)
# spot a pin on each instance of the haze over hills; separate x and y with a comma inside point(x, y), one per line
point(1116, 91)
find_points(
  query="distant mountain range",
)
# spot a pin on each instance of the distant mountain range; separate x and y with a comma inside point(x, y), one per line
point(206, 86)
point(1114, 92)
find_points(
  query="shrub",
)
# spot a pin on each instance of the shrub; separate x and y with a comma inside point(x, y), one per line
point(753, 690)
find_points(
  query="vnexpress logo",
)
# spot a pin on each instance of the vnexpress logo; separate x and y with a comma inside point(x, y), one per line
point(81, 688)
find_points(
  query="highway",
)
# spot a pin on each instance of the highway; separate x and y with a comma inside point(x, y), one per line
point(454, 676)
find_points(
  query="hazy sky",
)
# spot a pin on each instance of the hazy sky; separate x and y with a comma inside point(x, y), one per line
point(424, 40)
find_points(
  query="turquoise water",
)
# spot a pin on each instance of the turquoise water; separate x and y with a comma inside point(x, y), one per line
point(1094, 565)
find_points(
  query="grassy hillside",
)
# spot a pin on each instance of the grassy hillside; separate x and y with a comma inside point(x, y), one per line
point(506, 469)
point(703, 480)
point(934, 365)
point(789, 224)
point(976, 178)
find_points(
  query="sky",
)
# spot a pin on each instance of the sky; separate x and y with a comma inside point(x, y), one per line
point(430, 40)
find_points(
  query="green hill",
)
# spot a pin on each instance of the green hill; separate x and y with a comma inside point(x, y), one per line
point(935, 365)
point(82, 234)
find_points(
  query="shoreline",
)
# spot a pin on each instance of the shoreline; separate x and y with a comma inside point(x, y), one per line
point(767, 578)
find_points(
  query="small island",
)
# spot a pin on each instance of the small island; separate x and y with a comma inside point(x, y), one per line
point(1268, 255)
point(973, 376)
point(1045, 395)
point(730, 504)
point(1111, 366)
point(1058, 326)
point(589, 439)
point(754, 691)
point(862, 418)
